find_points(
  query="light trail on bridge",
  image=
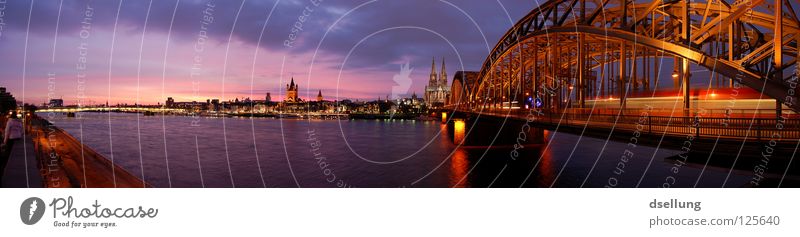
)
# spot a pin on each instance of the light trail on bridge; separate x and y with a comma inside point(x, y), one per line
point(567, 52)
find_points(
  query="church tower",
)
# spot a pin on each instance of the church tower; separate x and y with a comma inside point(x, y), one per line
point(430, 89)
point(436, 91)
point(443, 75)
point(432, 82)
point(319, 96)
point(291, 92)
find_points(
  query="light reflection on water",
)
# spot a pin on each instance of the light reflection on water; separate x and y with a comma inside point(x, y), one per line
point(318, 158)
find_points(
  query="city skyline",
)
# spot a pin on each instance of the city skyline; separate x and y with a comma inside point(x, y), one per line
point(218, 50)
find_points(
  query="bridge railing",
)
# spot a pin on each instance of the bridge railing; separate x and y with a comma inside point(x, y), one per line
point(737, 113)
point(730, 127)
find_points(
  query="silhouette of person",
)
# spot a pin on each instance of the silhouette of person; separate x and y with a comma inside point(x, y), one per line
point(11, 135)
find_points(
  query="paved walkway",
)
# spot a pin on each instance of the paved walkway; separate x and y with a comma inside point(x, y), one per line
point(72, 164)
point(21, 171)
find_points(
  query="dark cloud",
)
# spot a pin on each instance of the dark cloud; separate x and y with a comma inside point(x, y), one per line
point(445, 18)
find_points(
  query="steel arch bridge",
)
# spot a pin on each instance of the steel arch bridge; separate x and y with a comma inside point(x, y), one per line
point(581, 49)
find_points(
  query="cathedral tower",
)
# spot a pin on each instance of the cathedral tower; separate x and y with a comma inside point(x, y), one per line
point(443, 75)
point(433, 80)
point(291, 92)
point(436, 91)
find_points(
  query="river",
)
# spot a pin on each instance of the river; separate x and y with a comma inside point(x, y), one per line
point(180, 151)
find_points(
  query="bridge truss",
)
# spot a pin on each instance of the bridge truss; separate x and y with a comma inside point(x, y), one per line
point(567, 51)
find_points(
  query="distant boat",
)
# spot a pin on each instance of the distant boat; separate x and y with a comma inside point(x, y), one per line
point(149, 113)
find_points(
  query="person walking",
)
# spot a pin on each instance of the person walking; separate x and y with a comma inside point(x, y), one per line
point(11, 135)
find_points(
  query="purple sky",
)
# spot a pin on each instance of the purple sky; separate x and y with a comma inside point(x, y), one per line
point(154, 60)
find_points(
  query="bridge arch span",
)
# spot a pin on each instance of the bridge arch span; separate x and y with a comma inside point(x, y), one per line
point(570, 50)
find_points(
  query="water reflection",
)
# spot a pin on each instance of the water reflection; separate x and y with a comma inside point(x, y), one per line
point(546, 172)
point(495, 168)
point(459, 166)
point(459, 128)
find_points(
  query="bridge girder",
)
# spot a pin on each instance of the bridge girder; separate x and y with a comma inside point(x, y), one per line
point(737, 45)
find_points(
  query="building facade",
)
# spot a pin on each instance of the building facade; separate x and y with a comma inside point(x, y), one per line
point(170, 102)
point(55, 103)
point(437, 91)
point(7, 101)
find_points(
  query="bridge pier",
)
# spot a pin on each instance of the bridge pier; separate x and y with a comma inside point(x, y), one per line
point(475, 130)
